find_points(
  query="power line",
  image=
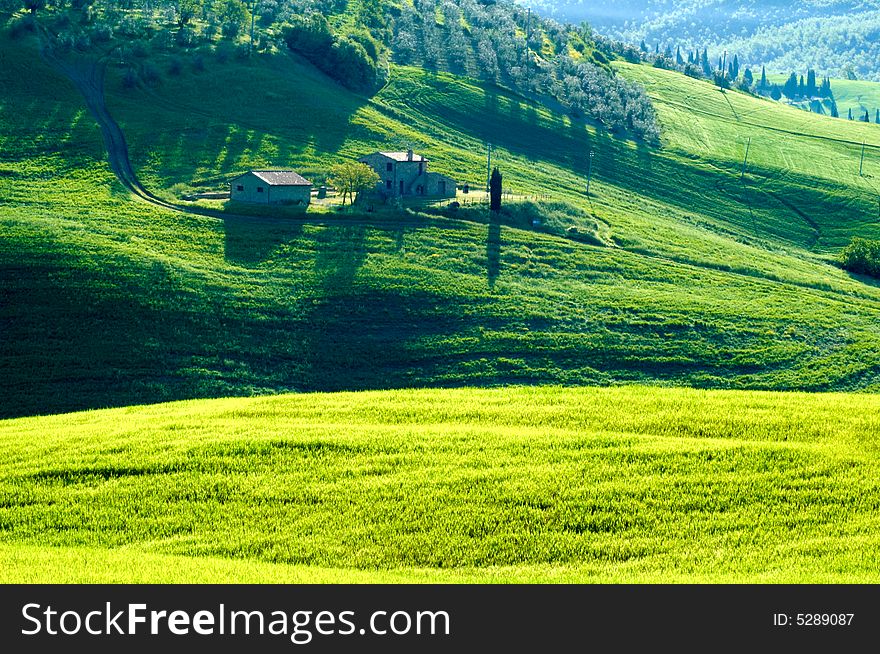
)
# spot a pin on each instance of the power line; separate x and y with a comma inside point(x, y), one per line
point(745, 160)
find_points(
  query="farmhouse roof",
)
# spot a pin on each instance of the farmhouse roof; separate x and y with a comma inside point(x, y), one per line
point(280, 177)
point(403, 156)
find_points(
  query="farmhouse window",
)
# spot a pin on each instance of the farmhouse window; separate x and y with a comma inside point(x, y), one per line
point(259, 189)
point(388, 183)
point(389, 166)
point(239, 188)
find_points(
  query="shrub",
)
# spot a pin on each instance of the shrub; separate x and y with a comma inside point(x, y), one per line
point(862, 256)
point(129, 80)
point(224, 51)
point(151, 74)
point(186, 37)
point(140, 49)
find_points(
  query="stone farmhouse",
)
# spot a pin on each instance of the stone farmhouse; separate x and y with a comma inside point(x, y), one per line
point(271, 187)
point(405, 174)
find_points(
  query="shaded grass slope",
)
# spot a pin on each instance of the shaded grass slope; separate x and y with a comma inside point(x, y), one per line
point(110, 301)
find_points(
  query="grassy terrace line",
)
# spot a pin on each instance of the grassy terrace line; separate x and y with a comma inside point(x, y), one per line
point(522, 484)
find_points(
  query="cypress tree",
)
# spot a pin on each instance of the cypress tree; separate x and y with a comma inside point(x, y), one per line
point(790, 87)
point(849, 117)
point(735, 66)
point(877, 117)
point(678, 58)
point(834, 112)
point(763, 84)
point(811, 83)
point(802, 87)
point(643, 46)
point(867, 117)
point(495, 191)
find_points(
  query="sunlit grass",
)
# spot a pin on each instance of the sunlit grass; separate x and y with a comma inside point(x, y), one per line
point(515, 484)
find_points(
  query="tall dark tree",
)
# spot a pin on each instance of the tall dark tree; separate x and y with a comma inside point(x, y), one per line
point(495, 191)
point(812, 91)
point(849, 116)
point(877, 117)
point(764, 84)
point(748, 77)
point(678, 58)
point(735, 67)
point(790, 88)
point(867, 117)
point(802, 87)
point(643, 46)
point(834, 111)
point(704, 60)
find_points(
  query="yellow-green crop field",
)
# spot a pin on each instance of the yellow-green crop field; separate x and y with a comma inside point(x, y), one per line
point(631, 484)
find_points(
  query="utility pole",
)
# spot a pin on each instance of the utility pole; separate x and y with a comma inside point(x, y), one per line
point(745, 160)
point(862, 159)
point(589, 171)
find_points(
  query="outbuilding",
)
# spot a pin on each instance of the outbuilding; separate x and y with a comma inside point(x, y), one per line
point(271, 187)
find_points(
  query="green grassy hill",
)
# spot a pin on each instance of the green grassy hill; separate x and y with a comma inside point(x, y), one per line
point(706, 281)
point(857, 95)
point(524, 484)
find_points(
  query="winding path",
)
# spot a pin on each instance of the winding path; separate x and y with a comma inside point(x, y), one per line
point(88, 77)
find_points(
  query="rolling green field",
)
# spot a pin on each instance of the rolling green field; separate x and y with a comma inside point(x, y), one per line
point(857, 95)
point(705, 281)
point(520, 484)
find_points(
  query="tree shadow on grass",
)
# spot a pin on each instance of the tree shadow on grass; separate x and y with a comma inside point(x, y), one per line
point(493, 249)
point(250, 241)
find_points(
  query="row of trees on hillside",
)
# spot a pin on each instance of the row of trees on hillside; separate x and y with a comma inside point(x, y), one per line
point(808, 91)
point(504, 43)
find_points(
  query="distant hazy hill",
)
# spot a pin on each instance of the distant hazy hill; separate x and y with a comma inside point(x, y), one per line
point(836, 37)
